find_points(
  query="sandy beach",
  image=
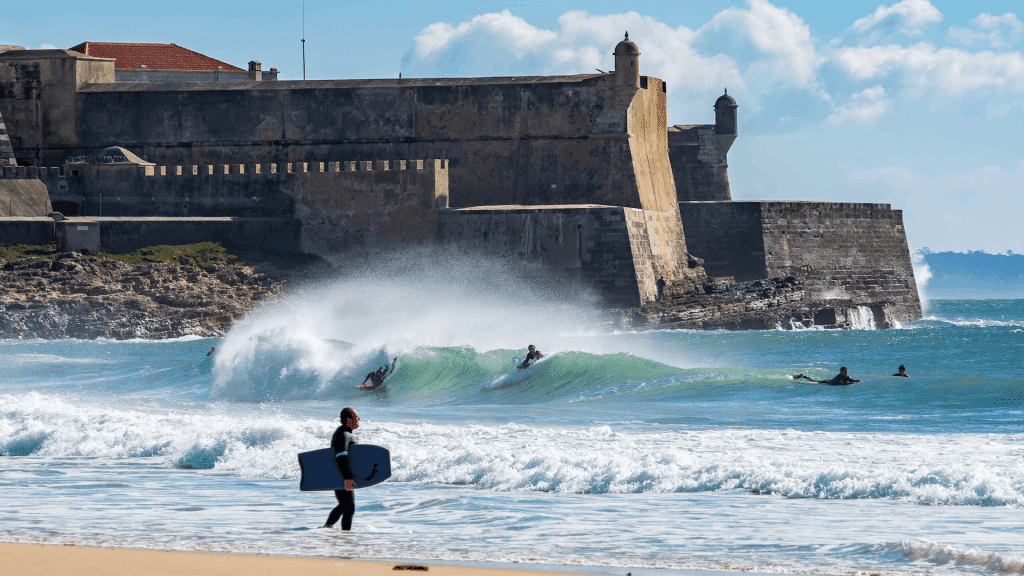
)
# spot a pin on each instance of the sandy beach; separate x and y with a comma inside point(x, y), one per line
point(27, 559)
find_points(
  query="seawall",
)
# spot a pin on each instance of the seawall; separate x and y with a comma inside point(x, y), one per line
point(842, 251)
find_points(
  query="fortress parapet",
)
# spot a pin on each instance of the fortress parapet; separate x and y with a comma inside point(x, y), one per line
point(342, 205)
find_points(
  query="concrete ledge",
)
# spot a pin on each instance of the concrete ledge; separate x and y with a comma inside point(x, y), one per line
point(26, 230)
point(276, 235)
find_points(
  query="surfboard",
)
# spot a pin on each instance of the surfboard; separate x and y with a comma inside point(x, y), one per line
point(371, 465)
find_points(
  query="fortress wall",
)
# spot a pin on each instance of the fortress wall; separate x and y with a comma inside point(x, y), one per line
point(530, 140)
point(38, 90)
point(592, 244)
point(376, 205)
point(728, 236)
point(32, 230)
point(341, 205)
point(511, 140)
point(699, 163)
point(22, 193)
point(268, 235)
point(648, 144)
point(842, 250)
point(663, 238)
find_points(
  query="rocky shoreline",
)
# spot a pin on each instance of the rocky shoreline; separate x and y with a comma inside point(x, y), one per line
point(78, 296)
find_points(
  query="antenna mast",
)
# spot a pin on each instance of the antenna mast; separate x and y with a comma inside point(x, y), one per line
point(303, 39)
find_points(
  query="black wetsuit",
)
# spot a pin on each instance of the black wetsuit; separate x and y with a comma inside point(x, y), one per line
point(839, 380)
point(346, 507)
point(377, 377)
point(530, 358)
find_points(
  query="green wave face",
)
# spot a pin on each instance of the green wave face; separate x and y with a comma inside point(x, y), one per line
point(464, 376)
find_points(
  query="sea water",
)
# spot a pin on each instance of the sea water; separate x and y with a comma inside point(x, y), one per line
point(620, 451)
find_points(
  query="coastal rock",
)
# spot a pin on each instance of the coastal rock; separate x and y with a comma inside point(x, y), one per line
point(78, 296)
point(775, 303)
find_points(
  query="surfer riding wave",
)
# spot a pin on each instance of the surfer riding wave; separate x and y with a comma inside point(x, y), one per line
point(376, 378)
point(532, 357)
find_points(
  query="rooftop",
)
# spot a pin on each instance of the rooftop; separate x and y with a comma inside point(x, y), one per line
point(133, 55)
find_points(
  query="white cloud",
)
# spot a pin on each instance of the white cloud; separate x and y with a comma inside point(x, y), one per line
point(995, 31)
point(865, 106)
point(785, 41)
point(515, 32)
point(946, 70)
point(503, 44)
point(911, 17)
point(47, 46)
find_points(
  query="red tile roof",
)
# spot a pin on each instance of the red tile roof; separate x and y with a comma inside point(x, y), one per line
point(132, 55)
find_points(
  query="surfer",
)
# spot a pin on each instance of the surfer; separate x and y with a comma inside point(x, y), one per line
point(532, 356)
point(377, 377)
point(340, 443)
point(841, 379)
point(212, 350)
point(902, 372)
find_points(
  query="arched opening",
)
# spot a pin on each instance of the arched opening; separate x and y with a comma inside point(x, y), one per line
point(66, 207)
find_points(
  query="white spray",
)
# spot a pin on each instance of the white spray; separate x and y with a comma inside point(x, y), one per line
point(294, 346)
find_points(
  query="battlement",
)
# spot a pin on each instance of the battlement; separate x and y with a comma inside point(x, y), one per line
point(274, 169)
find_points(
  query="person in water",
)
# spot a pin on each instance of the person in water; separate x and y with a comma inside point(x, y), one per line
point(378, 376)
point(902, 372)
point(841, 379)
point(340, 443)
point(532, 356)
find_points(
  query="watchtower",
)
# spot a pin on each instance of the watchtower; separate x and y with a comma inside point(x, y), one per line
point(627, 63)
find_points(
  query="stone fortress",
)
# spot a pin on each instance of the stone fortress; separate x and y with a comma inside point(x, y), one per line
point(580, 174)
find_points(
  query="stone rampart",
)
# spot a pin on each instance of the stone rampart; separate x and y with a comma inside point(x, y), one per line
point(536, 140)
point(32, 230)
point(265, 235)
point(605, 247)
point(22, 193)
point(843, 251)
point(699, 162)
point(341, 205)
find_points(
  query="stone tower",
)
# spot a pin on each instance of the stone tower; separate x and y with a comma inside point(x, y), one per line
point(627, 63)
point(725, 115)
point(6, 151)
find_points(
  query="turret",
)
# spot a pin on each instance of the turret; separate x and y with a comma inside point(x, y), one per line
point(725, 114)
point(627, 63)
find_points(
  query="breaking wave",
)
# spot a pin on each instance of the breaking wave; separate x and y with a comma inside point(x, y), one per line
point(957, 470)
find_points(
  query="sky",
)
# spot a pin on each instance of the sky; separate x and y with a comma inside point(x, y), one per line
point(918, 104)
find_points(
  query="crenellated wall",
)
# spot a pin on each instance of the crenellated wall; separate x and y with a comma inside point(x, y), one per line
point(342, 205)
point(536, 140)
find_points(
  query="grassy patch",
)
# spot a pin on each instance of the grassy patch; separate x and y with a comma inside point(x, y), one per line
point(199, 254)
point(19, 251)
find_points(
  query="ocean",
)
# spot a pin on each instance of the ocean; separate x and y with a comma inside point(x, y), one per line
point(650, 452)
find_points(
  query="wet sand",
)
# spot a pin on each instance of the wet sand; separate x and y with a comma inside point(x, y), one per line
point(30, 559)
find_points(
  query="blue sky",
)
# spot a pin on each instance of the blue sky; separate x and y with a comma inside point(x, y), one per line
point(916, 103)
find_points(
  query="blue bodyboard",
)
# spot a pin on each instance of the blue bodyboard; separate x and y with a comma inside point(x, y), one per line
point(370, 465)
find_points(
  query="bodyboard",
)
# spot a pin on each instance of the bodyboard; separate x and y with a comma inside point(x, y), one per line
point(371, 465)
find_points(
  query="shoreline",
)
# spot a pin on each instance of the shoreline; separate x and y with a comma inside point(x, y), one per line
point(27, 559)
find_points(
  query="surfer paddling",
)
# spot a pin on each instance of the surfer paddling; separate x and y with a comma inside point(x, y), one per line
point(902, 372)
point(376, 378)
point(340, 443)
point(841, 379)
point(532, 356)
